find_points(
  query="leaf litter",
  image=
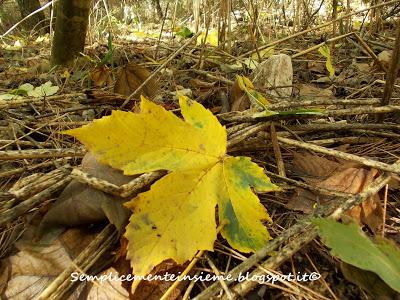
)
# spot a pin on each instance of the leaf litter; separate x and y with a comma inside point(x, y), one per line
point(72, 106)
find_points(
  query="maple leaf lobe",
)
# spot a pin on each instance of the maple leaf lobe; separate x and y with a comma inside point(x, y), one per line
point(237, 234)
point(238, 204)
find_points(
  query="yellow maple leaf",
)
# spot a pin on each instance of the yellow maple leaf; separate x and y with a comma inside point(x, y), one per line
point(176, 217)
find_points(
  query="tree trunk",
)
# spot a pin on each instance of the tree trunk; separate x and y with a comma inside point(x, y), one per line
point(196, 14)
point(334, 16)
point(70, 31)
point(157, 5)
point(376, 21)
point(26, 7)
point(349, 25)
point(296, 22)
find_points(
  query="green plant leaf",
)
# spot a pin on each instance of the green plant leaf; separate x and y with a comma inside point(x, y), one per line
point(247, 86)
point(22, 90)
point(108, 57)
point(185, 32)
point(46, 89)
point(268, 113)
point(9, 97)
point(26, 87)
point(351, 244)
point(325, 52)
point(301, 111)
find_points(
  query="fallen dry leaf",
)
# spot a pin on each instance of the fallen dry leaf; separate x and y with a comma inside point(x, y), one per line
point(313, 92)
point(312, 168)
point(340, 177)
point(238, 99)
point(131, 77)
point(182, 203)
point(101, 76)
point(201, 89)
point(26, 274)
point(108, 289)
point(149, 289)
point(316, 67)
point(363, 67)
point(153, 290)
point(80, 204)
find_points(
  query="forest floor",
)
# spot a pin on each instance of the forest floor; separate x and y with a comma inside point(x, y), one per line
point(341, 112)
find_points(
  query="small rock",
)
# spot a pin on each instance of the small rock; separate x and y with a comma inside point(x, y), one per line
point(385, 57)
point(276, 71)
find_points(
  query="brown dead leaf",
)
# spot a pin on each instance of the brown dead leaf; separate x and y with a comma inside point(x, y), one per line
point(80, 204)
point(312, 168)
point(101, 76)
point(122, 265)
point(131, 77)
point(313, 92)
point(108, 289)
point(154, 289)
point(370, 211)
point(332, 175)
point(197, 83)
point(26, 274)
point(150, 289)
point(76, 239)
point(201, 89)
point(238, 100)
point(100, 96)
point(37, 65)
point(316, 67)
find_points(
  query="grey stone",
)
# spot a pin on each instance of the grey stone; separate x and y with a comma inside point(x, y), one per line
point(276, 71)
